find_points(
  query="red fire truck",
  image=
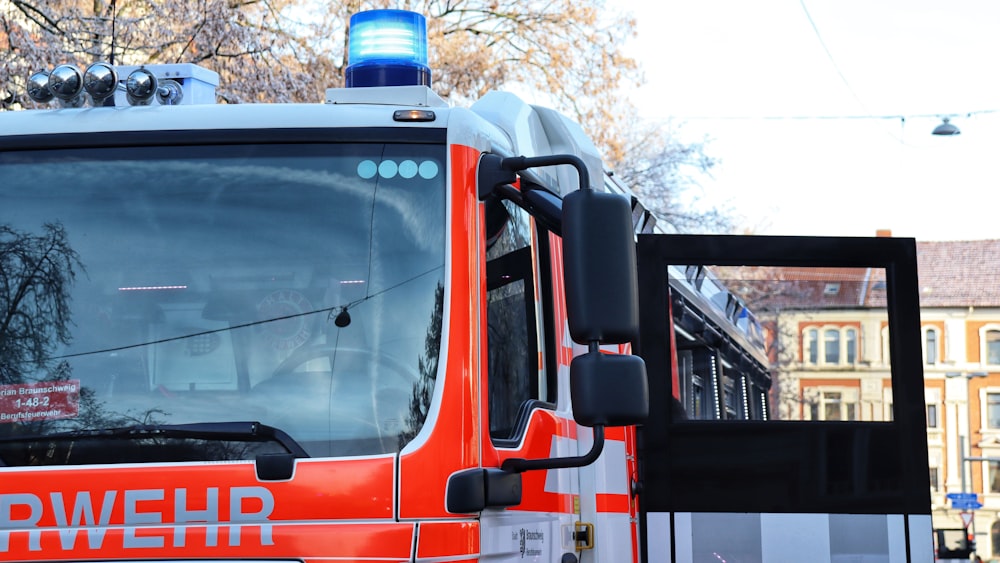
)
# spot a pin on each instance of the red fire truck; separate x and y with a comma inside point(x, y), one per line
point(385, 329)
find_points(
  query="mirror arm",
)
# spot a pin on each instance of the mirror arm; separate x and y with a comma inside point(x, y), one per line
point(495, 171)
point(519, 465)
point(519, 163)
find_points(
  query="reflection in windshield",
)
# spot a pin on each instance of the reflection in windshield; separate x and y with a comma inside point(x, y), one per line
point(300, 286)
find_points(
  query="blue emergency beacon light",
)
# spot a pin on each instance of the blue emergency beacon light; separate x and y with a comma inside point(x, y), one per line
point(387, 48)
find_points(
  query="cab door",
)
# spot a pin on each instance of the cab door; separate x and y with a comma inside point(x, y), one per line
point(822, 479)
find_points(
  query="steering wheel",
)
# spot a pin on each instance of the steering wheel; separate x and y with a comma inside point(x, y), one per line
point(331, 351)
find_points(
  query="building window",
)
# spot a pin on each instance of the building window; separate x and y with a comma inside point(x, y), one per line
point(932, 415)
point(993, 347)
point(852, 345)
point(935, 482)
point(812, 339)
point(931, 346)
point(994, 477)
point(830, 346)
point(833, 404)
point(995, 536)
point(993, 410)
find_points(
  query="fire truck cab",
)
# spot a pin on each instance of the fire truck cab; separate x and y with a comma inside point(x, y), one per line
point(321, 331)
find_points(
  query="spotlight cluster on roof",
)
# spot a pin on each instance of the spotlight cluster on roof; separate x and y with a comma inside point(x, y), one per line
point(99, 84)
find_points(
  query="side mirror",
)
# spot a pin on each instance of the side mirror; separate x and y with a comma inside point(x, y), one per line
point(602, 305)
point(479, 488)
point(602, 295)
point(609, 389)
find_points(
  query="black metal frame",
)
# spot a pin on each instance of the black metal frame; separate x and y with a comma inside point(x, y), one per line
point(783, 466)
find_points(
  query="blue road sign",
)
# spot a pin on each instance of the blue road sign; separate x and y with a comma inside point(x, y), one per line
point(964, 504)
point(967, 497)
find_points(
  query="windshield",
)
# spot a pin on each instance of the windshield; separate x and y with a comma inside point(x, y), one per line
point(299, 286)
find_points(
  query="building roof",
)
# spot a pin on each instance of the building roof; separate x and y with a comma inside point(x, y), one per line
point(950, 274)
point(959, 273)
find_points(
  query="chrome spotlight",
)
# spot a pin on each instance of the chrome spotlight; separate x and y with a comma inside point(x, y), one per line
point(38, 87)
point(140, 87)
point(100, 81)
point(66, 84)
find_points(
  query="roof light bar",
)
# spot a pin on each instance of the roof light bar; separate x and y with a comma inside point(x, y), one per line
point(387, 48)
point(166, 84)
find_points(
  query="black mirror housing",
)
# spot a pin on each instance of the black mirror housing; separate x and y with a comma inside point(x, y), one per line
point(479, 488)
point(609, 389)
point(602, 295)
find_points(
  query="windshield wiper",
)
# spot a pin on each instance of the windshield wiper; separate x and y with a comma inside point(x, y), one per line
point(236, 431)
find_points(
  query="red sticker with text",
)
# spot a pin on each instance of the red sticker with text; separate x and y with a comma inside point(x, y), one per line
point(48, 400)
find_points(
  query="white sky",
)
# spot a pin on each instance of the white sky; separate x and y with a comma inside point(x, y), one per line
point(849, 177)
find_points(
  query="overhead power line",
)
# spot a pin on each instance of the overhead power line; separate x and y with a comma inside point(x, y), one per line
point(830, 56)
point(896, 116)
